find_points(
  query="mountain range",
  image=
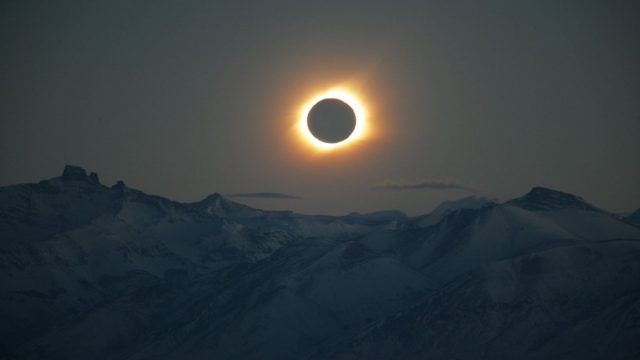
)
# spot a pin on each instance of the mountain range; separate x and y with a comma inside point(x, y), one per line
point(89, 271)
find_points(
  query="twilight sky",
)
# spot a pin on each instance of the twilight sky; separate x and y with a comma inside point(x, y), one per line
point(186, 98)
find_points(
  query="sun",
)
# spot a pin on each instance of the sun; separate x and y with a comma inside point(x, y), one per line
point(348, 98)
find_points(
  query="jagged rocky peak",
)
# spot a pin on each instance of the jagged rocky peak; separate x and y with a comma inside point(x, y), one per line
point(73, 172)
point(540, 198)
point(120, 185)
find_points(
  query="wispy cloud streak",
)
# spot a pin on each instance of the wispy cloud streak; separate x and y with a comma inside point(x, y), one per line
point(425, 184)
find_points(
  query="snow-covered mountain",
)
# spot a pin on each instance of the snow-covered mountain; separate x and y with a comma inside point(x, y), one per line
point(90, 271)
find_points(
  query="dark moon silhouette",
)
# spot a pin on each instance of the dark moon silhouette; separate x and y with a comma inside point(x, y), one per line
point(331, 120)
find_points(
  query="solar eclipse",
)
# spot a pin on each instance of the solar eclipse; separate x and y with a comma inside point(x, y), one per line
point(333, 119)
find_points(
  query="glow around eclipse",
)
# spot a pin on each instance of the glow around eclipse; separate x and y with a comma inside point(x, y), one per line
point(347, 97)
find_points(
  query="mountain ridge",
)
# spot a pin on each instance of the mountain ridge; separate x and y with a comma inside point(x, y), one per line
point(541, 198)
point(137, 276)
point(537, 198)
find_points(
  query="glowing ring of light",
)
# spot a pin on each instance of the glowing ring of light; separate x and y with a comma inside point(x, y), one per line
point(347, 98)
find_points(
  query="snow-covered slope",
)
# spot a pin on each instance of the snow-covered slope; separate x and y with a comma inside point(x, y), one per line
point(90, 271)
point(467, 238)
point(580, 301)
point(448, 207)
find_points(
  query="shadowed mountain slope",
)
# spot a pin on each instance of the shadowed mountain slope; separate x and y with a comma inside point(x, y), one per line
point(90, 271)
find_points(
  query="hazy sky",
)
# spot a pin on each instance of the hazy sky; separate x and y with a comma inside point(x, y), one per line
point(186, 98)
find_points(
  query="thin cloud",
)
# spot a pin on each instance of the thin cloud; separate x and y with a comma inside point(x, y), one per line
point(426, 184)
point(265, 195)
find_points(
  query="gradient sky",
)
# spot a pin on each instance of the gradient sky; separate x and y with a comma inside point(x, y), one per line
point(186, 98)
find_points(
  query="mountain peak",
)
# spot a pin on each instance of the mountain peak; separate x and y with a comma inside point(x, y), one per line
point(541, 198)
point(219, 205)
point(215, 203)
point(73, 172)
point(213, 199)
point(120, 185)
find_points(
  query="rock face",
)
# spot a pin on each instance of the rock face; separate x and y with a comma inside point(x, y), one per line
point(77, 173)
point(89, 271)
point(540, 198)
